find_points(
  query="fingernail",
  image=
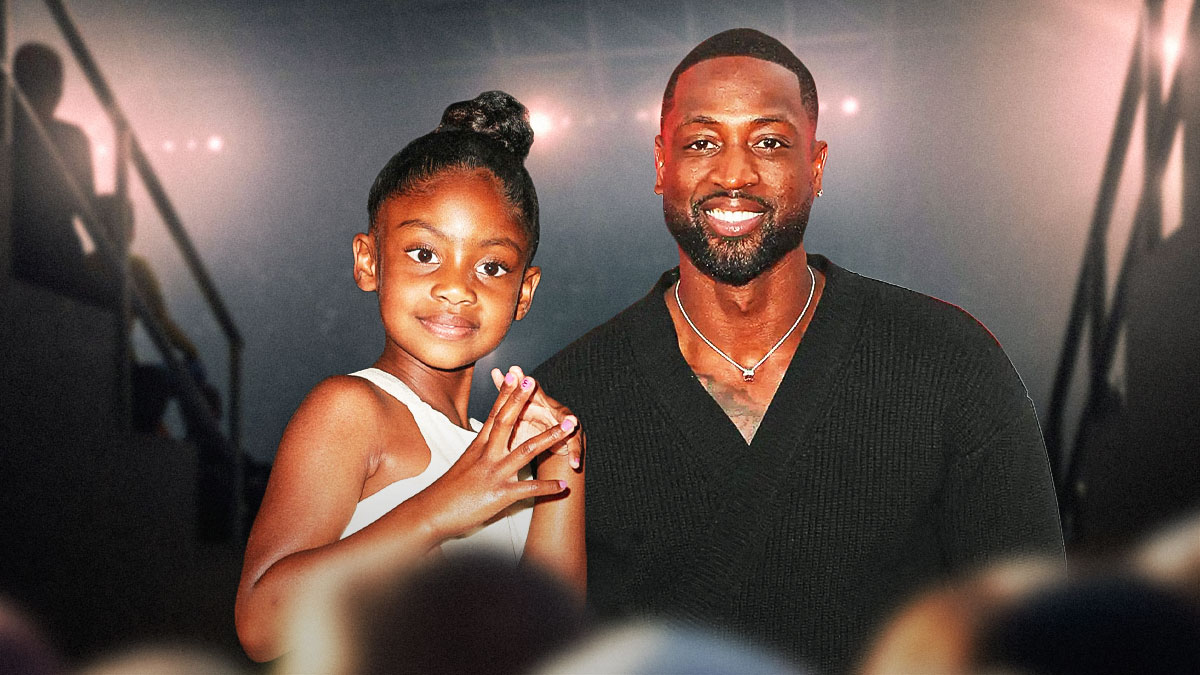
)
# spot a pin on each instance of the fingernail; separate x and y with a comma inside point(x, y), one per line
point(527, 383)
point(574, 462)
point(562, 485)
point(568, 424)
point(510, 379)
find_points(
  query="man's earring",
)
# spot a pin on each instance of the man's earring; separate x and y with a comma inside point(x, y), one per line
point(820, 192)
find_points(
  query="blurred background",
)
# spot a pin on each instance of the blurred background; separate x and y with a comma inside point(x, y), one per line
point(967, 142)
point(992, 154)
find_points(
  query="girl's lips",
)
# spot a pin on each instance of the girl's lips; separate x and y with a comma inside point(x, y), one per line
point(449, 326)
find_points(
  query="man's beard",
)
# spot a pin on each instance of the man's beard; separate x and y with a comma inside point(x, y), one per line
point(738, 261)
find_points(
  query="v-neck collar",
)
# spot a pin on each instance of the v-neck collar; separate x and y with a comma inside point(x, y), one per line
point(749, 477)
point(797, 401)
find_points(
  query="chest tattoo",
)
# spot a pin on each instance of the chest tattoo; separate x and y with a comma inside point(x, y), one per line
point(742, 409)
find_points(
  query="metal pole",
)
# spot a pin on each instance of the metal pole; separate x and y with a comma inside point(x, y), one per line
point(6, 150)
point(1081, 305)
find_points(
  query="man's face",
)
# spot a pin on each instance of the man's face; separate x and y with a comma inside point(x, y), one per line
point(737, 166)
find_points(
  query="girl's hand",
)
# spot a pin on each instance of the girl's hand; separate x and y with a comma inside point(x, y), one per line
point(541, 413)
point(483, 482)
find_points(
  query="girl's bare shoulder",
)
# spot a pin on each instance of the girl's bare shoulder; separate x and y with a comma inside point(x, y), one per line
point(363, 421)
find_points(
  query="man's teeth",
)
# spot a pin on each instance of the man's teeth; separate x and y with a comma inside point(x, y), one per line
point(731, 216)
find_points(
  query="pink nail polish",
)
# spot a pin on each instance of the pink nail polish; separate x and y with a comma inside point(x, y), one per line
point(574, 462)
point(510, 379)
point(568, 424)
point(527, 383)
point(562, 485)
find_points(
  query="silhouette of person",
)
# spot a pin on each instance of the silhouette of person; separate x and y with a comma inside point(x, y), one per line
point(45, 248)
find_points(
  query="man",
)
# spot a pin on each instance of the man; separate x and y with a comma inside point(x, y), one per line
point(45, 248)
point(779, 447)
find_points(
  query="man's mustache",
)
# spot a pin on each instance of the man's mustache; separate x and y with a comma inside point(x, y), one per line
point(734, 194)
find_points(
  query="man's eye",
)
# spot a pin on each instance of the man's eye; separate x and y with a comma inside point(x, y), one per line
point(492, 268)
point(422, 255)
point(770, 144)
point(700, 144)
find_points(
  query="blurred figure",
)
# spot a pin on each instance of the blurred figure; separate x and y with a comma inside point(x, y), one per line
point(1172, 557)
point(936, 633)
point(472, 613)
point(45, 248)
point(650, 648)
point(22, 647)
point(1106, 624)
point(153, 383)
point(163, 660)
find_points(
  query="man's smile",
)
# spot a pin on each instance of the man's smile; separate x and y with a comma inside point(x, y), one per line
point(732, 216)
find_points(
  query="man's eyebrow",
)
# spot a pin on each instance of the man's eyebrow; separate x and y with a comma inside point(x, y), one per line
point(771, 120)
point(698, 119)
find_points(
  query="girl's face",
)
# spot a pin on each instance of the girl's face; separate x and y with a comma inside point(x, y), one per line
point(449, 265)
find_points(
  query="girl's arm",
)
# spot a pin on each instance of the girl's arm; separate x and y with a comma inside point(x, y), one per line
point(317, 480)
point(556, 533)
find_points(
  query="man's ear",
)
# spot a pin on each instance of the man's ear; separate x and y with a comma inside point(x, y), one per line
point(533, 276)
point(658, 164)
point(366, 260)
point(818, 166)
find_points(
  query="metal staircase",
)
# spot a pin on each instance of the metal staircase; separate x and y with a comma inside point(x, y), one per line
point(1100, 310)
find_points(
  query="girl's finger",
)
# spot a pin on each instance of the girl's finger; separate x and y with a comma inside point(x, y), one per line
point(505, 419)
point(508, 385)
point(524, 489)
point(535, 446)
point(497, 378)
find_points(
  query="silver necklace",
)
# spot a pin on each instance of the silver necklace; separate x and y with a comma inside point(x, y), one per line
point(748, 373)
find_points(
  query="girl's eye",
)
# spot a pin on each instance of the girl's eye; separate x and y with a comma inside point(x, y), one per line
point(700, 144)
point(492, 268)
point(422, 255)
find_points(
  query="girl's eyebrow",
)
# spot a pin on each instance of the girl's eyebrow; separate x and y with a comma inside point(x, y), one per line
point(419, 224)
point(507, 242)
point(502, 241)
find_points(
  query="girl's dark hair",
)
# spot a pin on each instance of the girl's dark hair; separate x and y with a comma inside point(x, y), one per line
point(489, 132)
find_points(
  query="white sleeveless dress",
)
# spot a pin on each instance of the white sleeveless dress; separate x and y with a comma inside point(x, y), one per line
point(504, 534)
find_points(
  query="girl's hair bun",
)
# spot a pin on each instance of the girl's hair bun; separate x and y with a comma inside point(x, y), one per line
point(494, 114)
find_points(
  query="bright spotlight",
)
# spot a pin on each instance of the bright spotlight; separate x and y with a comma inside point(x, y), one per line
point(102, 150)
point(1171, 49)
point(850, 105)
point(540, 122)
point(215, 143)
point(169, 146)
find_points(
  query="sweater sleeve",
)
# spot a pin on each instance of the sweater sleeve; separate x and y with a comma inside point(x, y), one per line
point(998, 497)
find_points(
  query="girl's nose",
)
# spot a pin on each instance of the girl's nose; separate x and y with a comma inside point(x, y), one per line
point(453, 286)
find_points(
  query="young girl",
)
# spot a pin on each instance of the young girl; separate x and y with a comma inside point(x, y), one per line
point(384, 464)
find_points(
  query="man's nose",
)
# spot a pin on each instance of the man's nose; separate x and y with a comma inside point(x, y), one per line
point(735, 168)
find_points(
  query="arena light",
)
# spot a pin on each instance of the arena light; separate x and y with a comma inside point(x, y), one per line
point(215, 143)
point(168, 146)
point(1171, 49)
point(850, 106)
point(541, 122)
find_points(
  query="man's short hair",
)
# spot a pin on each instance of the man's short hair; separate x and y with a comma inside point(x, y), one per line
point(752, 43)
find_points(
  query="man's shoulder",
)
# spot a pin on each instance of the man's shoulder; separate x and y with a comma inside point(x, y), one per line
point(595, 348)
point(922, 317)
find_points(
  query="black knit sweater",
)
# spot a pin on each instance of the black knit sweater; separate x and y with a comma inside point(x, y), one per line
point(901, 448)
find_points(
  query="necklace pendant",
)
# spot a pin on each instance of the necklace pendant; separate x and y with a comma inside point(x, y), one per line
point(747, 375)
